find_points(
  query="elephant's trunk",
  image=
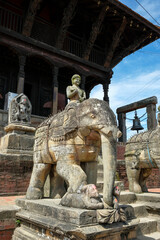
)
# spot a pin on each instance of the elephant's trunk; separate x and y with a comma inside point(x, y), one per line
point(109, 168)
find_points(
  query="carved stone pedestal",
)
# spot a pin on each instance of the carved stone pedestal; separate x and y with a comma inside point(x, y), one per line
point(46, 219)
point(18, 140)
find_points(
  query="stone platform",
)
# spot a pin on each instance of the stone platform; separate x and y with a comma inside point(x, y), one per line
point(46, 219)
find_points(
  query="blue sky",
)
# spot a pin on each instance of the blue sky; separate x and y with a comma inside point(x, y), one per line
point(138, 75)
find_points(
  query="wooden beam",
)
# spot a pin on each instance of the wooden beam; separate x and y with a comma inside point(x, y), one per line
point(128, 50)
point(115, 42)
point(137, 105)
point(67, 17)
point(94, 32)
point(30, 16)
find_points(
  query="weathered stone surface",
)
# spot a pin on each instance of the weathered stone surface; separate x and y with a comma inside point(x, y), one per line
point(19, 128)
point(149, 197)
point(74, 92)
point(46, 218)
point(20, 110)
point(53, 209)
point(155, 236)
point(69, 138)
point(127, 197)
point(17, 143)
point(146, 226)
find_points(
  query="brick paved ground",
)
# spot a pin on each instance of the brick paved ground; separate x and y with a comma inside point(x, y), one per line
point(10, 200)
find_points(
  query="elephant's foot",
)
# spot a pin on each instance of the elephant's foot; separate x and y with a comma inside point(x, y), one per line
point(88, 198)
point(136, 188)
point(34, 193)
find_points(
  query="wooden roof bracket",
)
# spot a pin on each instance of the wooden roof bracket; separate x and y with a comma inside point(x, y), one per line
point(95, 31)
point(115, 42)
point(128, 50)
point(67, 17)
point(30, 16)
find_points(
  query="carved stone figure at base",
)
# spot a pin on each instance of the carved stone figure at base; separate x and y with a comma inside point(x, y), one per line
point(141, 155)
point(65, 140)
point(87, 197)
point(116, 214)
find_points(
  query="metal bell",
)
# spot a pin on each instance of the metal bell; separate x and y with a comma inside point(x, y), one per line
point(136, 123)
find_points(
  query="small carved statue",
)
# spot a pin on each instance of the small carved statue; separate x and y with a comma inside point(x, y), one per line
point(86, 197)
point(20, 109)
point(74, 92)
point(115, 214)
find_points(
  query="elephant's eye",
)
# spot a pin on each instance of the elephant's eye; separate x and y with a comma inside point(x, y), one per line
point(92, 115)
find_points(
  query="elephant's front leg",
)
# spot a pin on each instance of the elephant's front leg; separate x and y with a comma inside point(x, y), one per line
point(72, 173)
point(38, 178)
point(133, 173)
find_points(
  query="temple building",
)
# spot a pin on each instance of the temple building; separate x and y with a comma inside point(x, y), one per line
point(44, 42)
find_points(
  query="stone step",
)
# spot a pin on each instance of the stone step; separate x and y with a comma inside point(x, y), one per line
point(147, 225)
point(127, 197)
point(52, 209)
point(152, 236)
point(137, 210)
point(148, 197)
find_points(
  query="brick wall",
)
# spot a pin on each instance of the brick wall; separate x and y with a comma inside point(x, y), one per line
point(15, 172)
point(153, 180)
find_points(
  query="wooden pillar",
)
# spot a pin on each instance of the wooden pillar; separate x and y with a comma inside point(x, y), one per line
point(106, 85)
point(151, 116)
point(83, 81)
point(105, 89)
point(122, 126)
point(21, 74)
point(55, 89)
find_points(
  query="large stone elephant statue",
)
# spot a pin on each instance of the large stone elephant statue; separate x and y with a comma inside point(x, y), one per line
point(69, 138)
point(141, 155)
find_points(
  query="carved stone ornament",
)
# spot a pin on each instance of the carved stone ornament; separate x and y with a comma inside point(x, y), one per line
point(20, 110)
point(65, 140)
point(115, 214)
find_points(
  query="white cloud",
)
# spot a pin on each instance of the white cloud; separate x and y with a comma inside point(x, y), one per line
point(134, 88)
point(130, 88)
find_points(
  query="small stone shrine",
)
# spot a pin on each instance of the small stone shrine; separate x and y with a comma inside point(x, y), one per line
point(19, 134)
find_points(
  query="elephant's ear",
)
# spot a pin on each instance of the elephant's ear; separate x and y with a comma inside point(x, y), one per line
point(63, 123)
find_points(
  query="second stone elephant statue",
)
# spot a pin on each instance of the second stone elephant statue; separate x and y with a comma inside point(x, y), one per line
point(72, 137)
point(141, 155)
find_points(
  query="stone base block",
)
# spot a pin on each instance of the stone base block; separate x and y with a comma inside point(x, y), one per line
point(46, 219)
point(17, 143)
